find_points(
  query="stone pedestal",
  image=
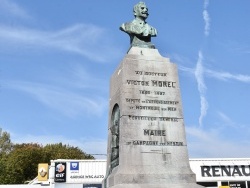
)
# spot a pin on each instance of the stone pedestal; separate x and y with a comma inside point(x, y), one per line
point(147, 144)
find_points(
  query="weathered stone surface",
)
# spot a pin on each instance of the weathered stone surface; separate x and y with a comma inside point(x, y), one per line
point(152, 149)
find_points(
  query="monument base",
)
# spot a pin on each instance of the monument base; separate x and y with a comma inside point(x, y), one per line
point(165, 179)
point(147, 142)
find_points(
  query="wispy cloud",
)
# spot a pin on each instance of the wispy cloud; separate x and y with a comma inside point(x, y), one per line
point(207, 22)
point(227, 76)
point(206, 3)
point(220, 75)
point(199, 75)
point(10, 8)
point(211, 143)
point(227, 120)
point(82, 39)
point(69, 103)
point(233, 46)
point(206, 18)
point(187, 69)
point(199, 70)
point(81, 78)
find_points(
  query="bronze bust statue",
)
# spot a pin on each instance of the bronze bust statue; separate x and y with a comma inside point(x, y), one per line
point(139, 30)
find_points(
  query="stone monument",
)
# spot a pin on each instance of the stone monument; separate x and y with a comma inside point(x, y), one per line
point(146, 135)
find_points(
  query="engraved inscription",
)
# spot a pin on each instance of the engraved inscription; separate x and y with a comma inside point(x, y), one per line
point(155, 143)
point(169, 119)
point(133, 100)
point(155, 74)
point(139, 72)
point(138, 82)
point(145, 92)
point(172, 144)
point(158, 83)
point(169, 109)
point(150, 73)
point(142, 142)
point(160, 102)
point(149, 132)
point(159, 93)
point(142, 118)
point(147, 107)
point(154, 83)
point(139, 107)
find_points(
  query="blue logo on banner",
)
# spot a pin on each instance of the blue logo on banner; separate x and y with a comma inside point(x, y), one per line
point(74, 165)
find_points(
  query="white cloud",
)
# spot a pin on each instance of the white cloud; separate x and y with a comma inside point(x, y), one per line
point(206, 18)
point(224, 117)
point(79, 77)
point(82, 39)
point(204, 108)
point(9, 8)
point(227, 76)
point(199, 75)
point(187, 69)
point(207, 22)
point(211, 143)
point(220, 75)
point(227, 122)
point(67, 102)
point(200, 72)
point(206, 3)
point(90, 41)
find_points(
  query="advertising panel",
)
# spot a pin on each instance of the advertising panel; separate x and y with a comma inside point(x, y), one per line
point(60, 172)
point(87, 172)
point(208, 170)
point(43, 171)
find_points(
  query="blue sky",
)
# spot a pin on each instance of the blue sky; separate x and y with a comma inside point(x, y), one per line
point(56, 59)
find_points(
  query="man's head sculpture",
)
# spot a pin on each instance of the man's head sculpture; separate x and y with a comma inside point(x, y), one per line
point(141, 10)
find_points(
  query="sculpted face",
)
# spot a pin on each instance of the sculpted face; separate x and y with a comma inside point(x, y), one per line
point(141, 10)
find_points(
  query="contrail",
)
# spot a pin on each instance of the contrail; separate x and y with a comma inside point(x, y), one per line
point(199, 70)
point(207, 22)
point(199, 75)
point(206, 3)
point(206, 18)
